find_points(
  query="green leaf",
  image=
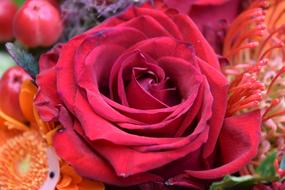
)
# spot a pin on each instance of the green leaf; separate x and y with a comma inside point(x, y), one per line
point(231, 182)
point(19, 2)
point(266, 167)
point(265, 174)
point(5, 62)
point(243, 182)
point(23, 59)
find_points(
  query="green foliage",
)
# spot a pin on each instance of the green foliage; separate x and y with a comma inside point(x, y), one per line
point(23, 59)
point(266, 168)
point(19, 2)
point(231, 182)
point(265, 173)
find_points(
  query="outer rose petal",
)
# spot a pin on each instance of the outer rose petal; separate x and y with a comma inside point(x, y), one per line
point(201, 46)
point(47, 98)
point(219, 89)
point(232, 155)
point(245, 130)
point(84, 160)
point(214, 27)
point(202, 11)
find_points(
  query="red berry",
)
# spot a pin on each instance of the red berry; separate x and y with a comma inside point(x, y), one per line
point(37, 23)
point(10, 86)
point(7, 12)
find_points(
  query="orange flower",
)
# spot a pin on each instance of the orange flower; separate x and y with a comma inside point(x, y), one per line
point(23, 162)
point(26, 96)
point(70, 180)
point(24, 157)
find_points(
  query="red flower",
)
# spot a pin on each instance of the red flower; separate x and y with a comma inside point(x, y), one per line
point(211, 16)
point(142, 99)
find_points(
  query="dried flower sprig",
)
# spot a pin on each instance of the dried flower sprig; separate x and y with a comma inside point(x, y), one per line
point(80, 15)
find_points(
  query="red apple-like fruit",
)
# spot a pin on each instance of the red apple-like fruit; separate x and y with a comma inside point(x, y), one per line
point(37, 23)
point(10, 86)
point(8, 10)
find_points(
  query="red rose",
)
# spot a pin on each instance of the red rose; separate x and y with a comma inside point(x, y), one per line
point(142, 99)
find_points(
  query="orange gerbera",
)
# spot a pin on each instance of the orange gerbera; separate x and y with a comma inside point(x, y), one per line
point(23, 162)
point(25, 156)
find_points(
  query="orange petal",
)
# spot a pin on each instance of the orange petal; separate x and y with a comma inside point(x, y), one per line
point(65, 181)
point(26, 96)
point(12, 123)
point(67, 170)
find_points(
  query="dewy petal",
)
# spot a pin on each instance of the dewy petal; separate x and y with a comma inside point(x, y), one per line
point(238, 144)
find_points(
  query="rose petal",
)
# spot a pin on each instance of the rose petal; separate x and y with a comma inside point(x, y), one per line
point(86, 162)
point(142, 24)
point(47, 98)
point(183, 74)
point(66, 87)
point(127, 161)
point(245, 130)
point(201, 46)
point(219, 89)
point(163, 19)
point(97, 128)
point(122, 74)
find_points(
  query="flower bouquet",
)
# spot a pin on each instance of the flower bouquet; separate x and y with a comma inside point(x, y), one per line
point(142, 94)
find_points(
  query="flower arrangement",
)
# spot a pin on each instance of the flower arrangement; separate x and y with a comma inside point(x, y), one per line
point(142, 94)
